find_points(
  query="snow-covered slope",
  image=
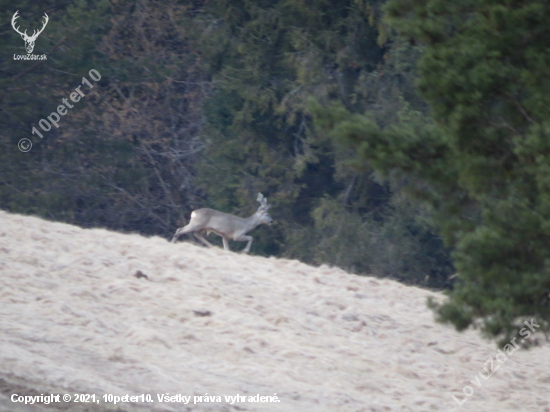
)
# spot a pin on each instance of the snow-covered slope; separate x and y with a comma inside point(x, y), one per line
point(74, 319)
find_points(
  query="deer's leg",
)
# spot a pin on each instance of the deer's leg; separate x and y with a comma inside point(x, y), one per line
point(245, 238)
point(176, 235)
point(198, 235)
point(181, 231)
point(225, 243)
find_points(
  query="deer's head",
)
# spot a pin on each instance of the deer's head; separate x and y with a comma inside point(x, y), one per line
point(262, 210)
point(29, 40)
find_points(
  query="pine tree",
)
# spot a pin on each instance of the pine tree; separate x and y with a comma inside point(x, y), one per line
point(483, 163)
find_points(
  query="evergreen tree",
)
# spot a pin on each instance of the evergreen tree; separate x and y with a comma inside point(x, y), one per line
point(204, 103)
point(483, 164)
point(265, 60)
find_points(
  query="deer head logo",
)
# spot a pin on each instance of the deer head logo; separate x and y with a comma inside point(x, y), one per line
point(29, 40)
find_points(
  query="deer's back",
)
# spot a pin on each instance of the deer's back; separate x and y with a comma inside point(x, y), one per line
point(218, 222)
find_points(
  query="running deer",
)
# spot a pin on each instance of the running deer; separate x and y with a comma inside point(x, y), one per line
point(225, 225)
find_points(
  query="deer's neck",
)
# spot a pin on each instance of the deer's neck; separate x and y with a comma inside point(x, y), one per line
point(252, 221)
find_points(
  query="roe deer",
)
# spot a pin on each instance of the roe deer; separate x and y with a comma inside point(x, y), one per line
point(225, 225)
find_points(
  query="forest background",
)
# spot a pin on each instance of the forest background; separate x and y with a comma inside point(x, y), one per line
point(386, 135)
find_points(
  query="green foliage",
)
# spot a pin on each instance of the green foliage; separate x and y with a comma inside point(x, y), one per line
point(204, 104)
point(394, 241)
point(484, 164)
point(265, 58)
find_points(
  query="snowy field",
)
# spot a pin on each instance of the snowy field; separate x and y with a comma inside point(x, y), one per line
point(74, 319)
